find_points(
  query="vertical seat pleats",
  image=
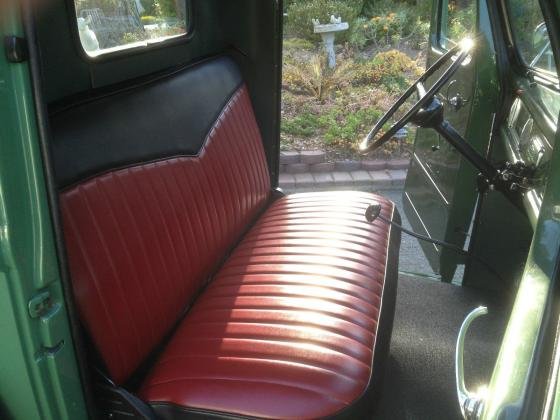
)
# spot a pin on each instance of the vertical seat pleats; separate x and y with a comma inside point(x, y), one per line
point(142, 240)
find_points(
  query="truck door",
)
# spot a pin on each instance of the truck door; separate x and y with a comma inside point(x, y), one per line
point(439, 196)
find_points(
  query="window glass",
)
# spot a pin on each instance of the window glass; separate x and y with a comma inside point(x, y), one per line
point(111, 25)
point(458, 21)
point(530, 34)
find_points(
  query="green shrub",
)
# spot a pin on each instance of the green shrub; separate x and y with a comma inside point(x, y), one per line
point(388, 22)
point(169, 8)
point(305, 124)
point(420, 8)
point(151, 7)
point(287, 4)
point(302, 12)
point(345, 128)
point(424, 10)
point(298, 44)
point(391, 69)
point(337, 126)
point(162, 8)
point(386, 29)
point(130, 37)
point(461, 21)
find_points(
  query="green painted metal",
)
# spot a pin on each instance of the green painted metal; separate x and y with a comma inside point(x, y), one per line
point(38, 373)
point(529, 135)
point(556, 407)
point(529, 129)
point(39, 378)
point(508, 385)
point(440, 193)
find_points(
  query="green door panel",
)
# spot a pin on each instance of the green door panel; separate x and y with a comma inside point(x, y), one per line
point(440, 190)
point(422, 193)
point(39, 378)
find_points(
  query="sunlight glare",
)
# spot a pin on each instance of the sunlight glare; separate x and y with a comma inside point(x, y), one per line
point(467, 44)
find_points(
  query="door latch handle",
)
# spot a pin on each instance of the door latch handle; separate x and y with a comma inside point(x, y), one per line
point(471, 403)
point(457, 101)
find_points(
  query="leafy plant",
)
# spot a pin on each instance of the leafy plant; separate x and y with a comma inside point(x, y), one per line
point(130, 37)
point(345, 128)
point(390, 22)
point(314, 77)
point(305, 124)
point(391, 69)
point(461, 20)
point(386, 29)
point(420, 8)
point(298, 44)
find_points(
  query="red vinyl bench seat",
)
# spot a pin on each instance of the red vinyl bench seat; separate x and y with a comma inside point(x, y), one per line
point(275, 307)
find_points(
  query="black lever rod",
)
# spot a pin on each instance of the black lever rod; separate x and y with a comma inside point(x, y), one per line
point(447, 131)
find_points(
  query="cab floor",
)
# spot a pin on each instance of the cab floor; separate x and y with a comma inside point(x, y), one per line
point(420, 376)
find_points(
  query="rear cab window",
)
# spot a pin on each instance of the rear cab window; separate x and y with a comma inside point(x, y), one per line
point(109, 26)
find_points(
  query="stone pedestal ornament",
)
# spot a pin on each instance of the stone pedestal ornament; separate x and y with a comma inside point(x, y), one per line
point(87, 36)
point(328, 32)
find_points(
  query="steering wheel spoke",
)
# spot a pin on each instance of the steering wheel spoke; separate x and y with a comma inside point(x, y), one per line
point(420, 90)
point(425, 96)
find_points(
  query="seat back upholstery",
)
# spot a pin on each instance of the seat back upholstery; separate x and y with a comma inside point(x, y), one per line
point(157, 183)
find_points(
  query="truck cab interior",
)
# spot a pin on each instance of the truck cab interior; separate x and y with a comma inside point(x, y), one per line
point(151, 268)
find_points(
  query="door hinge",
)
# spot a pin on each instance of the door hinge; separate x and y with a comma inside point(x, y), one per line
point(49, 351)
point(16, 48)
point(40, 304)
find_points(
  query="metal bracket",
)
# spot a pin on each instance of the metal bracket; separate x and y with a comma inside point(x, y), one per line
point(518, 177)
point(49, 351)
point(39, 304)
point(16, 49)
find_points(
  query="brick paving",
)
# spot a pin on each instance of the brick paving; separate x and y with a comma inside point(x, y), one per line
point(293, 162)
point(309, 171)
point(371, 180)
point(312, 157)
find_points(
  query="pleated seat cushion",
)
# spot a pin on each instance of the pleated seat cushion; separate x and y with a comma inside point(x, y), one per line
point(295, 324)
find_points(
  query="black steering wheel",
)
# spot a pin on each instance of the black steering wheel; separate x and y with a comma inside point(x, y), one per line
point(458, 54)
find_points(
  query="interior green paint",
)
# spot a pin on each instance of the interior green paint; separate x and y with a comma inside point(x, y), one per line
point(440, 193)
point(507, 387)
point(556, 407)
point(33, 383)
point(534, 107)
point(36, 385)
point(429, 183)
point(538, 104)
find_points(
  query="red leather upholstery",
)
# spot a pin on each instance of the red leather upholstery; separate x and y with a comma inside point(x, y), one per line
point(297, 320)
point(288, 326)
point(143, 240)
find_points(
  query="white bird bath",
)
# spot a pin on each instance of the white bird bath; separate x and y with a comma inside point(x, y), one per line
point(328, 32)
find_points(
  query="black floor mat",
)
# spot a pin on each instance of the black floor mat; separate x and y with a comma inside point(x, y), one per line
point(420, 376)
